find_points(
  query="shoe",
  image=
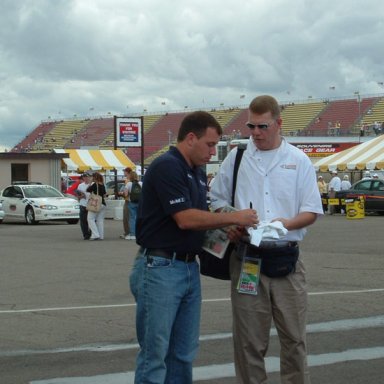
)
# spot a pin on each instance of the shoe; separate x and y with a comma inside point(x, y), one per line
point(123, 236)
point(130, 237)
point(94, 238)
point(87, 237)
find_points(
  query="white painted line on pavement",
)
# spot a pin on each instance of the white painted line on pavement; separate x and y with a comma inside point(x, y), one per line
point(219, 371)
point(329, 326)
point(8, 311)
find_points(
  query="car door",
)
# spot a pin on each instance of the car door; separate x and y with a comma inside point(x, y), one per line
point(12, 201)
point(376, 197)
point(361, 188)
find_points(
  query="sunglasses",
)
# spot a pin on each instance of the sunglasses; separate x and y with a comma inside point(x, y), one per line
point(262, 126)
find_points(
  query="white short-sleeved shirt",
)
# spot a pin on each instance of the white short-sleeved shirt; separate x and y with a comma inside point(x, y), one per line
point(83, 188)
point(278, 183)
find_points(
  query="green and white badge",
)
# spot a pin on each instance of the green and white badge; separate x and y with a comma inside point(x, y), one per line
point(249, 276)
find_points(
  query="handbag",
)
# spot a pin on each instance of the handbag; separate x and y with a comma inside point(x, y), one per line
point(211, 265)
point(94, 201)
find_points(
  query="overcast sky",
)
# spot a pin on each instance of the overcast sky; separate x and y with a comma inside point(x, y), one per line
point(61, 58)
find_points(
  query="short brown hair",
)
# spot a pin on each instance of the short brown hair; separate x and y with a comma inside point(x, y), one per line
point(197, 122)
point(265, 103)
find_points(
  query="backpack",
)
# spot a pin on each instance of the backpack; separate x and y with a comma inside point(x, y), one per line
point(135, 193)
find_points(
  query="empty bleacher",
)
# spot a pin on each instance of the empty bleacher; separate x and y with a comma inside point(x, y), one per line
point(372, 115)
point(35, 140)
point(63, 133)
point(310, 118)
point(345, 112)
point(296, 117)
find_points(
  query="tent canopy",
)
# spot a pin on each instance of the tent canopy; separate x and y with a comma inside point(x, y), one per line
point(368, 155)
point(95, 159)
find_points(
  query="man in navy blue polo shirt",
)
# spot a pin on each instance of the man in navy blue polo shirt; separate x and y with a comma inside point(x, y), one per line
point(165, 280)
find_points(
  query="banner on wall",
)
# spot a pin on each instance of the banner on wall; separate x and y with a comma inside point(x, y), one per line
point(323, 149)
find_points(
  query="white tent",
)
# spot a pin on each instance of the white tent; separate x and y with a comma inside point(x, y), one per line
point(368, 155)
point(95, 159)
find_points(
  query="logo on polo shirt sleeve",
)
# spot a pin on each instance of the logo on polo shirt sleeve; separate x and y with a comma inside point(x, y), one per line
point(177, 201)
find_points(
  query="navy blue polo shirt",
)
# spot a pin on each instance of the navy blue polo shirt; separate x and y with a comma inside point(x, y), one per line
point(170, 185)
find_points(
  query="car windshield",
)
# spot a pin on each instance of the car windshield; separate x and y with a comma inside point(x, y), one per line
point(39, 191)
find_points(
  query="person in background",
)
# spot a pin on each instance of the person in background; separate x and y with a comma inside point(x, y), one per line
point(333, 187)
point(279, 181)
point(127, 172)
point(133, 189)
point(165, 280)
point(323, 189)
point(96, 219)
point(375, 176)
point(72, 189)
point(345, 184)
point(83, 196)
point(367, 175)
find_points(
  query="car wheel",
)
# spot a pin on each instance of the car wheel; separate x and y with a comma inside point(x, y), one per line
point(72, 221)
point(30, 216)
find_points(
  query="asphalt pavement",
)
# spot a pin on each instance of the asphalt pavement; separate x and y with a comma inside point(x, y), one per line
point(67, 315)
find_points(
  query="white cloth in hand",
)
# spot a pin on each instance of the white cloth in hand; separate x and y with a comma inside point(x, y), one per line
point(267, 231)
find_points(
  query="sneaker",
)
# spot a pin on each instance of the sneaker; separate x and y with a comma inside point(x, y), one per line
point(122, 236)
point(94, 238)
point(130, 237)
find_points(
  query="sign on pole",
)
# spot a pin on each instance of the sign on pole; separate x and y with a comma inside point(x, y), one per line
point(128, 131)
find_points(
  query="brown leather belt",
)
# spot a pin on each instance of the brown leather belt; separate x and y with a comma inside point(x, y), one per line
point(181, 256)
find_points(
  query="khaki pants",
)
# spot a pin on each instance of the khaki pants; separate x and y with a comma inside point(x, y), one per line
point(283, 300)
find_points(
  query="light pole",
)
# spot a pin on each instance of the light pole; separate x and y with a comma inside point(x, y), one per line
point(357, 93)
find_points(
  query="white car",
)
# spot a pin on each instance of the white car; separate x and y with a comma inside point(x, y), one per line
point(2, 214)
point(37, 202)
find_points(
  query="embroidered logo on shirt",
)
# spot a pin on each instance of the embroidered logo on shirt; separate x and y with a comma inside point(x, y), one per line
point(288, 166)
point(177, 201)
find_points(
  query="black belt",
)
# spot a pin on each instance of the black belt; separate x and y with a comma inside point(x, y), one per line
point(181, 256)
point(277, 244)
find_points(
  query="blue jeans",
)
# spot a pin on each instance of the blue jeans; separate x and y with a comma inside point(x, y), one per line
point(132, 208)
point(168, 297)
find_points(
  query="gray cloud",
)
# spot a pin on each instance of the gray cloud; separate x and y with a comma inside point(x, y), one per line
point(61, 58)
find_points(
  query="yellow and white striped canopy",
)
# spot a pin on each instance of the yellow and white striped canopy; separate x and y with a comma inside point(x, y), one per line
point(96, 159)
point(368, 155)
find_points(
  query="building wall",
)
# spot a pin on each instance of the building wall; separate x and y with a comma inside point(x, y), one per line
point(45, 171)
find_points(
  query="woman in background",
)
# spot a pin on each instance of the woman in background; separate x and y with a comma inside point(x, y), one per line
point(133, 189)
point(96, 219)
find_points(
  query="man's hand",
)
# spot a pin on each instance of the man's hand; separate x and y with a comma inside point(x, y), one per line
point(246, 217)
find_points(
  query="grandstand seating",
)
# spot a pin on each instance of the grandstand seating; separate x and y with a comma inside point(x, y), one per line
point(35, 140)
point(236, 127)
point(374, 114)
point(347, 112)
point(62, 133)
point(296, 117)
point(93, 134)
point(308, 118)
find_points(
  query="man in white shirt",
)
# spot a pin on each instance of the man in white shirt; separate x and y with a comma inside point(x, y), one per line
point(279, 181)
point(333, 186)
point(345, 184)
